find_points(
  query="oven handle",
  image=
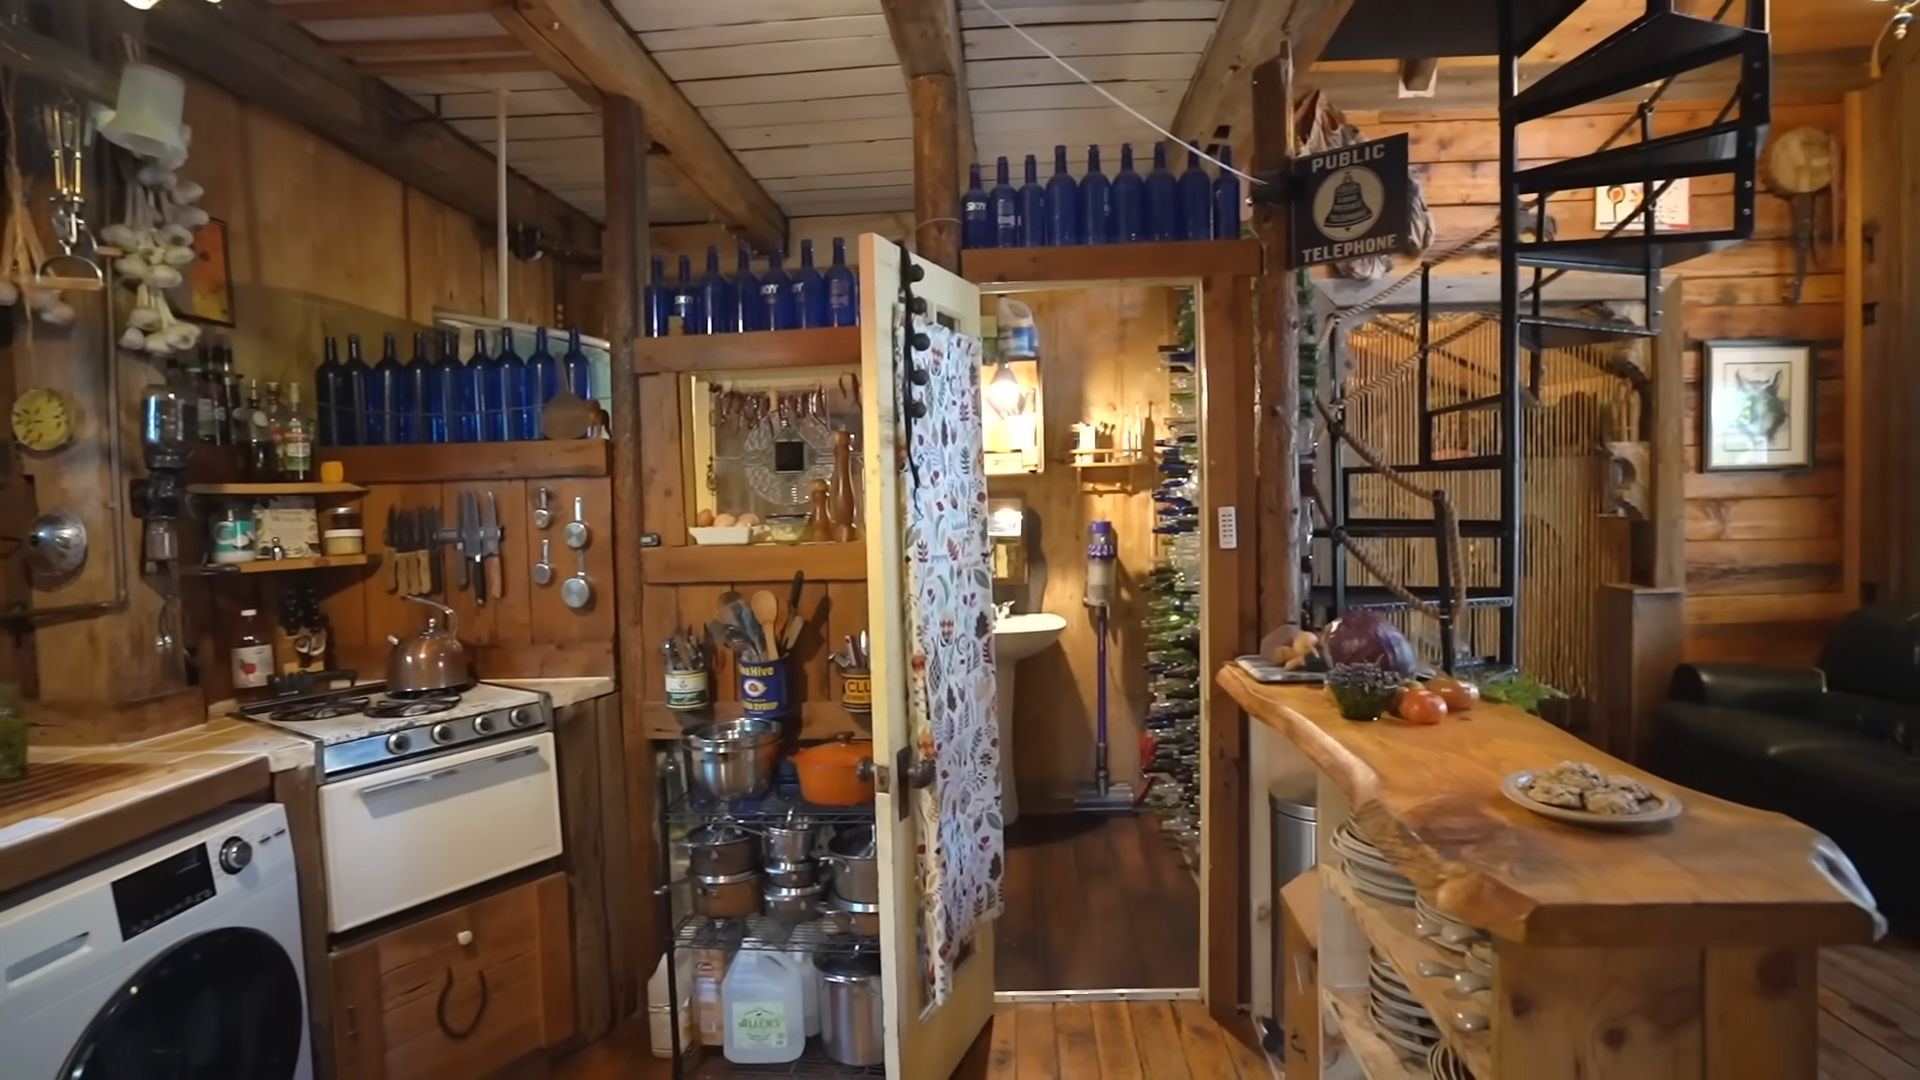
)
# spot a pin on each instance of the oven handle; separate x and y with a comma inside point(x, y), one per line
point(441, 774)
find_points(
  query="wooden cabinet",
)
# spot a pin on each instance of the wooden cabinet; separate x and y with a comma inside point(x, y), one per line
point(460, 993)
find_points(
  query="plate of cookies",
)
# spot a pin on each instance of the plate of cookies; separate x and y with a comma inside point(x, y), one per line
point(1579, 793)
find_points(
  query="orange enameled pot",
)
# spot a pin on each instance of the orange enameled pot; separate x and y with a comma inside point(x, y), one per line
point(837, 773)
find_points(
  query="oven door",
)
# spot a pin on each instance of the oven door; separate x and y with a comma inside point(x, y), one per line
point(399, 837)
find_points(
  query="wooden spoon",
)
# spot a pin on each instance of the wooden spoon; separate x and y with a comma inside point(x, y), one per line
point(766, 608)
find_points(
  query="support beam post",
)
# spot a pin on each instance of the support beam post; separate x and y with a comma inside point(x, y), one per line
point(1278, 357)
point(936, 169)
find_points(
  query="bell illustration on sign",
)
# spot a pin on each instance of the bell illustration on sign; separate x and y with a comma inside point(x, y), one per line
point(1350, 201)
point(1347, 208)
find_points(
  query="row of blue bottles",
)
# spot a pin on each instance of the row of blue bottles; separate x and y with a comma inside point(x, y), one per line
point(1095, 210)
point(496, 397)
point(774, 300)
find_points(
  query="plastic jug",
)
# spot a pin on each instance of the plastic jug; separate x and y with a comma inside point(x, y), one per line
point(1019, 337)
point(765, 1000)
point(804, 942)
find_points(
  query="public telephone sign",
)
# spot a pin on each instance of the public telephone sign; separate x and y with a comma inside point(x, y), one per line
point(1350, 202)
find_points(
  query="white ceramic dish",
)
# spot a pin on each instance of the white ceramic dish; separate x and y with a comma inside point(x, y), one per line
point(720, 535)
point(1666, 808)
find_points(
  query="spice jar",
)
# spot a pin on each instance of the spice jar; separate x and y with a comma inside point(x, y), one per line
point(234, 536)
point(343, 533)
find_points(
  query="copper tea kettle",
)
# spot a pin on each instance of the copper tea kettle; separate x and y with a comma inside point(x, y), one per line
point(432, 659)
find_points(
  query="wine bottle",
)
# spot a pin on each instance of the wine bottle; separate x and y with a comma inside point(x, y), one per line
point(1129, 201)
point(843, 288)
point(746, 293)
point(1063, 204)
point(718, 312)
point(382, 390)
point(470, 391)
point(329, 391)
point(1033, 206)
point(579, 368)
point(1162, 220)
point(1003, 205)
point(510, 380)
point(1096, 202)
point(1226, 200)
point(296, 440)
point(432, 378)
point(776, 295)
point(686, 300)
point(976, 221)
point(353, 411)
point(237, 422)
point(222, 404)
point(196, 365)
point(1196, 199)
point(543, 381)
point(403, 397)
point(659, 300)
point(809, 290)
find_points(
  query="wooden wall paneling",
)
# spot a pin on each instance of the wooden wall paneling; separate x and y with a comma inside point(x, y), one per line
point(508, 619)
point(552, 620)
point(1851, 188)
point(620, 877)
point(444, 261)
point(384, 612)
point(582, 805)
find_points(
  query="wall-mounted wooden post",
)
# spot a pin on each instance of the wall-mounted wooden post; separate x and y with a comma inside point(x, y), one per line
point(1279, 352)
point(936, 168)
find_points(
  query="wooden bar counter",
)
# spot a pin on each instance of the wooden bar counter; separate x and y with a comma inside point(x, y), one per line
point(1686, 950)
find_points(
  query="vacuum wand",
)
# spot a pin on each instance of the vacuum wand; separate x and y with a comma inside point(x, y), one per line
point(1102, 551)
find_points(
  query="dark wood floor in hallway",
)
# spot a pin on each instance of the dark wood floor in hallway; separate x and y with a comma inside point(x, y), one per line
point(1097, 902)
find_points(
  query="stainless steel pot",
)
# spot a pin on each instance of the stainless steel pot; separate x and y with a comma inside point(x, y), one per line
point(852, 1020)
point(793, 904)
point(432, 659)
point(734, 759)
point(721, 849)
point(792, 874)
point(853, 917)
point(732, 896)
point(856, 867)
point(793, 840)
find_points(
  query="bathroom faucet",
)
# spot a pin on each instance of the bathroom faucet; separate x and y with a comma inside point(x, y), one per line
point(1002, 610)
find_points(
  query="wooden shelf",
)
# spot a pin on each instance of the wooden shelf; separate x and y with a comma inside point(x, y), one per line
point(283, 566)
point(832, 346)
point(695, 564)
point(1171, 263)
point(1377, 1057)
point(818, 720)
point(314, 488)
point(1390, 929)
point(1108, 458)
point(434, 463)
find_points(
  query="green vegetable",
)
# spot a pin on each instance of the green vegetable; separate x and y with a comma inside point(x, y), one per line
point(1520, 690)
point(1363, 691)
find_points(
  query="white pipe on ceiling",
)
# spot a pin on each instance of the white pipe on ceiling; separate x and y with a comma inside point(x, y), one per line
point(500, 200)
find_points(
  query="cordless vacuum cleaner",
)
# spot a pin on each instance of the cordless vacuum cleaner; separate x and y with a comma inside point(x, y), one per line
point(1102, 796)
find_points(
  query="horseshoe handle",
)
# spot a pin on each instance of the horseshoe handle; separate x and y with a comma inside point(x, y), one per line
point(440, 1008)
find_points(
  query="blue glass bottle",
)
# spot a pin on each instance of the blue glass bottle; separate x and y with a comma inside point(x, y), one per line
point(776, 294)
point(659, 300)
point(843, 288)
point(1096, 202)
point(1003, 206)
point(396, 390)
point(809, 291)
point(976, 223)
point(1196, 199)
point(379, 395)
point(423, 384)
point(1226, 200)
point(718, 312)
point(1033, 207)
point(330, 393)
point(491, 374)
point(470, 393)
point(437, 412)
point(352, 409)
point(514, 389)
point(578, 367)
point(543, 381)
point(746, 293)
point(686, 300)
point(1129, 213)
point(1063, 204)
point(1163, 199)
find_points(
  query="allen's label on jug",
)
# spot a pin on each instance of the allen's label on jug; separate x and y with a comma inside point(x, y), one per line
point(688, 690)
point(856, 692)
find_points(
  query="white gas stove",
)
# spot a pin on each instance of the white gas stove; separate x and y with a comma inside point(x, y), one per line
point(424, 795)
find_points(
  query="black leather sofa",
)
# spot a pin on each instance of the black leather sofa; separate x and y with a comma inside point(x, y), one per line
point(1837, 747)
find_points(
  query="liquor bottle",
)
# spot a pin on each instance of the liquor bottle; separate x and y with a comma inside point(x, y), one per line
point(976, 222)
point(252, 653)
point(843, 288)
point(1033, 207)
point(686, 300)
point(659, 300)
point(222, 404)
point(1129, 202)
point(1226, 200)
point(543, 381)
point(262, 461)
point(746, 293)
point(1003, 206)
point(510, 382)
point(776, 295)
point(809, 290)
point(383, 392)
point(470, 392)
point(197, 364)
point(579, 368)
point(296, 440)
point(352, 411)
point(719, 312)
point(422, 382)
point(1196, 200)
point(236, 403)
point(1063, 204)
point(492, 394)
point(1096, 202)
point(1163, 200)
point(330, 392)
point(432, 379)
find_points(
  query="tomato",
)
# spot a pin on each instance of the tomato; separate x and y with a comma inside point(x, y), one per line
point(1422, 707)
point(1459, 694)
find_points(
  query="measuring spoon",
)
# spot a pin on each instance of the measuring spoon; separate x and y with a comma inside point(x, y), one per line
point(543, 570)
point(577, 592)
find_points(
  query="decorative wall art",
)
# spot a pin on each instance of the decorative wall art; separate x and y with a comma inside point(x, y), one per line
point(1757, 405)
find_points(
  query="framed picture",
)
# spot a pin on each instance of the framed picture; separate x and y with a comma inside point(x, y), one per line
point(207, 294)
point(1756, 405)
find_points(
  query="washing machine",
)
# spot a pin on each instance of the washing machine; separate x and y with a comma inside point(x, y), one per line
point(174, 958)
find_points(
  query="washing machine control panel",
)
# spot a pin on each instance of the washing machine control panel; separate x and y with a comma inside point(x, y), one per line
point(157, 892)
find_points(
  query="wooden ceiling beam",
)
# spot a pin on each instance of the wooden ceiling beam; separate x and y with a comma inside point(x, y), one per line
point(244, 47)
point(926, 37)
point(458, 65)
point(1248, 33)
point(324, 10)
point(598, 49)
point(419, 48)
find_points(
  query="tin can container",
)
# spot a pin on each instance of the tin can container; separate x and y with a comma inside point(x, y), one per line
point(688, 690)
point(763, 688)
point(856, 692)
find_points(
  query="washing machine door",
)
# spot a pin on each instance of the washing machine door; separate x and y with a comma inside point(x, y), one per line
point(222, 1005)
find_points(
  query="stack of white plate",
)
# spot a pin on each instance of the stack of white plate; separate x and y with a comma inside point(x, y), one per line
point(1403, 1022)
point(1367, 867)
point(1443, 930)
point(1444, 1064)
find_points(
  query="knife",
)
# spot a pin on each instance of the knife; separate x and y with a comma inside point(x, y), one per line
point(392, 540)
point(490, 545)
point(471, 550)
point(436, 583)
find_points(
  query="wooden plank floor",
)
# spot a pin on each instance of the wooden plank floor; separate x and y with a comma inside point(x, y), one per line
point(1096, 902)
point(1870, 1013)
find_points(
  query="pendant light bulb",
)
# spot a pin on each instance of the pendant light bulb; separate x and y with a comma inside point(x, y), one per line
point(1004, 392)
point(142, 5)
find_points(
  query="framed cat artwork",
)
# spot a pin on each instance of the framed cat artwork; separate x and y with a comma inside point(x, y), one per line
point(1756, 405)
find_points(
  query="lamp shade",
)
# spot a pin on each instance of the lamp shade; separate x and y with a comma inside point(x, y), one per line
point(147, 119)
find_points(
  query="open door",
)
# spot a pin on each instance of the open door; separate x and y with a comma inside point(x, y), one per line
point(920, 1043)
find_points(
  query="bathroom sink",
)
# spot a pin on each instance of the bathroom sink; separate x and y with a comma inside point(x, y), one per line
point(1016, 637)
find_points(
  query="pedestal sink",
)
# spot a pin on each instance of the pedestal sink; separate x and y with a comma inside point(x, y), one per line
point(1016, 637)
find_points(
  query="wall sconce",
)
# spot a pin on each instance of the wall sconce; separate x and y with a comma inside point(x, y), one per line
point(1898, 25)
point(146, 5)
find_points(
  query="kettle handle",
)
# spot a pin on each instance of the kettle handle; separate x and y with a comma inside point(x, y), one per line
point(452, 630)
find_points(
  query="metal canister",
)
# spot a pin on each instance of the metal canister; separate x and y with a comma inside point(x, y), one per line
point(852, 1021)
point(763, 688)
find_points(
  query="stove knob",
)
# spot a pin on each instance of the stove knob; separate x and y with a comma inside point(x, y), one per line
point(442, 733)
point(235, 855)
point(521, 717)
point(399, 743)
point(483, 725)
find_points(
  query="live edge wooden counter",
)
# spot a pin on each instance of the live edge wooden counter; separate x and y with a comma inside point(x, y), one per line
point(1683, 952)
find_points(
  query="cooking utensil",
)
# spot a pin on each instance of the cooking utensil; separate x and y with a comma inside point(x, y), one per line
point(792, 840)
point(472, 550)
point(432, 659)
point(853, 916)
point(436, 573)
point(543, 570)
point(733, 896)
point(836, 773)
point(490, 546)
point(766, 611)
point(794, 874)
point(743, 619)
point(576, 533)
point(543, 508)
point(790, 632)
point(852, 1017)
point(391, 538)
point(856, 867)
point(734, 759)
point(793, 903)
point(721, 848)
point(577, 592)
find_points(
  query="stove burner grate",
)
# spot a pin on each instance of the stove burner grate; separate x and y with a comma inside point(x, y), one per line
point(318, 710)
point(390, 707)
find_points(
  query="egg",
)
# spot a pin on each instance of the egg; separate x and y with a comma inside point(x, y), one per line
point(747, 520)
point(703, 519)
point(724, 520)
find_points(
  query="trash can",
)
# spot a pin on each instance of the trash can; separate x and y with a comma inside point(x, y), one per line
point(1295, 815)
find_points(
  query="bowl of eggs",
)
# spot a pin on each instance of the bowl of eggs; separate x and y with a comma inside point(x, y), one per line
point(710, 528)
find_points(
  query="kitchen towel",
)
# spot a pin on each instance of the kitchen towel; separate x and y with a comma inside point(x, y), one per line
point(950, 685)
